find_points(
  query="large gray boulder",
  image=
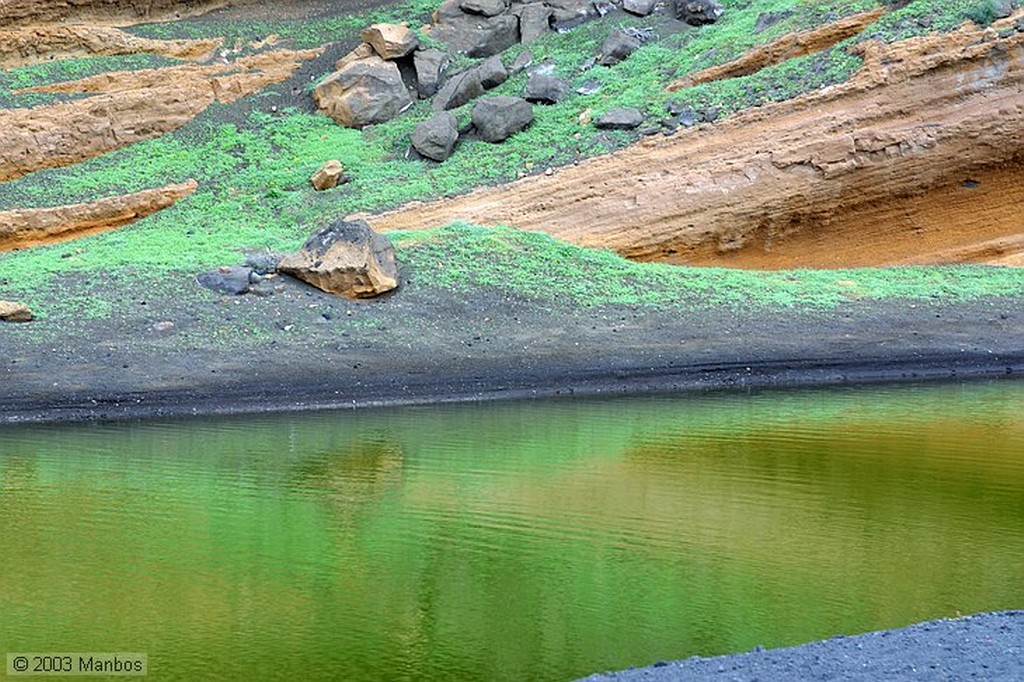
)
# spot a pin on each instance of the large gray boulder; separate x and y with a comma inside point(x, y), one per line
point(543, 88)
point(477, 36)
point(640, 8)
point(498, 118)
point(346, 258)
point(430, 65)
point(487, 8)
point(698, 12)
point(534, 21)
point(363, 92)
point(460, 89)
point(435, 138)
point(618, 46)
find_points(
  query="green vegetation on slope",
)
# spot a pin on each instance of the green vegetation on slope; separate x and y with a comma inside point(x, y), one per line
point(253, 172)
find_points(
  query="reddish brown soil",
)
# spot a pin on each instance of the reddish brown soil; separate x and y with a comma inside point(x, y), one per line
point(866, 173)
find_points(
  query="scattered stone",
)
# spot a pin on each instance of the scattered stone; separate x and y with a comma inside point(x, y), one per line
point(233, 280)
point(435, 138)
point(687, 119)
point(498, 118)
point(698, 12)
point(460, 89)
point(263, 262)
point(589, 87)
point(328, 176)
point(584, 118)
point(603, 7)
point(641, 8)
point(534, 21)
point(346, 258)
point(765, 20)
point(363, 92)
point(429, 65)
point(164, 326)
point(487, 8)
point(544, 89)
point(521, 63)
point(618, 46)
point(619, 119)
point(390, 41)
point(15, 312)
point(710, 114)
point(491, 72)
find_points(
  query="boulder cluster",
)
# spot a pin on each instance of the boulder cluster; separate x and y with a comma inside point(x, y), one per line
point(383, 76)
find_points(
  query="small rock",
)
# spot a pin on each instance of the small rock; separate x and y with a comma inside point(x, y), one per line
point(765, 20)
point(698, 12)
point(15, 312)
point(543, 89)
point(435, 138)
point(521, 63)
point(619, 119)
point(498, 118)
point(346, 258)
point(589, 87)
point(492, 72)
point(390, 41)
point(640, 8)
point(164, 326)
point(233, 280)
point(328, 176)
point(618, 46)
point(263, 262)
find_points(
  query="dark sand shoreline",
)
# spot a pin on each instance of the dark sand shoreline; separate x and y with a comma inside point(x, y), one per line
point(986, 646)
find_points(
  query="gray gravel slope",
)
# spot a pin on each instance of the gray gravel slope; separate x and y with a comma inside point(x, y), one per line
point(987, 646)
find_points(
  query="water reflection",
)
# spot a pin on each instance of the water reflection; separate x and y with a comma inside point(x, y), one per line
point(528, 540)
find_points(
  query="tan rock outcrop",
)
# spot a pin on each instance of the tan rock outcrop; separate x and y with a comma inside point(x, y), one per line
point(29, 45)
point(131, 107)
point(921, 119)
point(112, 12)
point(15, 312)
point(22, 228)
point(390, 41)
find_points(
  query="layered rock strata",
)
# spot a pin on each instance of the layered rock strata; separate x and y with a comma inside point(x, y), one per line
point(922, 119)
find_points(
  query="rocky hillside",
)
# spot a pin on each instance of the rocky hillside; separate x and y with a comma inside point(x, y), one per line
point(749, 133)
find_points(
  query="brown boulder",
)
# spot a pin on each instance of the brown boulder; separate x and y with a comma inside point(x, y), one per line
point(14, 312)
point(363, 92)
point(328, 176)
point(346, 258)
point(391, 41)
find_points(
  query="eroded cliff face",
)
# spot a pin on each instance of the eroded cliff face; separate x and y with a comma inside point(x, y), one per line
point(918, 158)
point(109, 12)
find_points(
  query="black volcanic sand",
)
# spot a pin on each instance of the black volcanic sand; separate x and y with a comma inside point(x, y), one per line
point(301, 348)
point(982, 647)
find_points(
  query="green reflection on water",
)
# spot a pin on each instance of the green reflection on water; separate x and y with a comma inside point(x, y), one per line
point(538, 540)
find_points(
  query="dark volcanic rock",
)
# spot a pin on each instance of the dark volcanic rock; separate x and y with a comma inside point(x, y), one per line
point(478, 36)
point(698, 12)
point(498, 118)
point(619, 119)
point(545, 89)
point(460, 89)
point(641, 8)
point(566, 14)
point(430, 65)
point(534, 21)
point(346, 258)
point(617, 46)
point(491, 72)
point(765, 20)
point(435, 138)
point(233, 280)
point(487, 8)
point(521, 63)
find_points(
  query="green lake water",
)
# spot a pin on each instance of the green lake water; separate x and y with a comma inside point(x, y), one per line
point(519, 541)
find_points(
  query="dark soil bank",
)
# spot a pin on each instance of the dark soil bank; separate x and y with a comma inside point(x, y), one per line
point(983, 647)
